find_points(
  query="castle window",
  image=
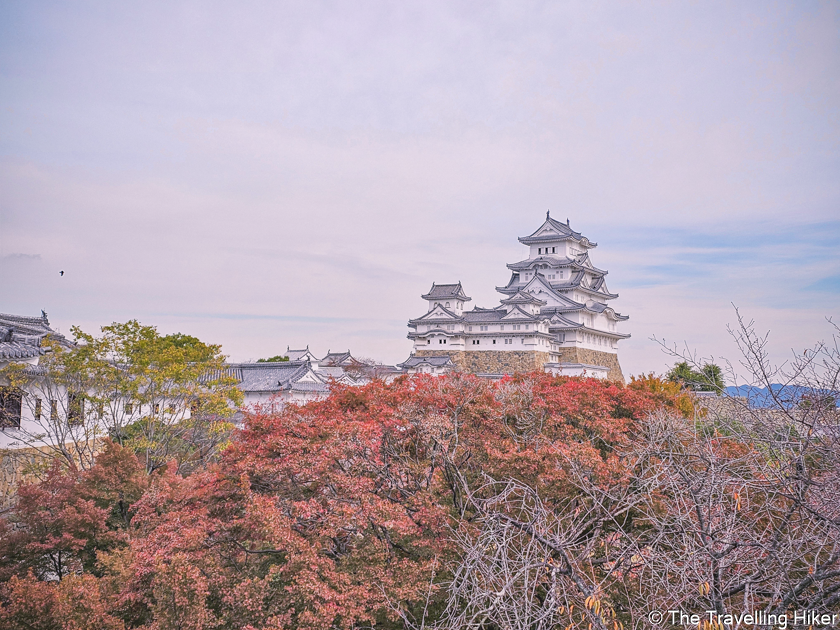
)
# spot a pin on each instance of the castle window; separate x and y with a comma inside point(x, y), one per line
point(75, 408)
point(37, 409)
point(526, 326)
point(11, 403)
point(494, 342)
point(502, 327)
point(553, 250)
point(447, 305)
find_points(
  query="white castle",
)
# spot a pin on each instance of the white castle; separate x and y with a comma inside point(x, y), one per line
point(554, 316)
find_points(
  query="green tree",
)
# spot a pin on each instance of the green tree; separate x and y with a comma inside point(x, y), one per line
point(164, 396)
point(709, 378)
point(275, 359)
point(712, 377)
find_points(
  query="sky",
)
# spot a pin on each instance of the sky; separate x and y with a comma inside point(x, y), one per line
point(272, 174)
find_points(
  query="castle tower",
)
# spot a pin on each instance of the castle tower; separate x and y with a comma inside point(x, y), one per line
point(554, 314)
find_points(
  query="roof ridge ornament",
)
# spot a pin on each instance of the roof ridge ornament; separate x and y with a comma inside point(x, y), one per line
point(547, 215)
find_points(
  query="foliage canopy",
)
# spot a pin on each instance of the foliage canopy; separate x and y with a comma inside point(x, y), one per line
point(536, 501)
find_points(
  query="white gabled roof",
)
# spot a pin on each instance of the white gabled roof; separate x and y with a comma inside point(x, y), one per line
point(522, 297)
point(517, 313)
point(446, 292)
point(437, 313)
point(541, 288)
point(552, 230)
point(432, 361)
point(300, 355)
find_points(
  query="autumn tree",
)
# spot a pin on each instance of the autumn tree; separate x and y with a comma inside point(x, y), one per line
point(341, 513)
point(60, 525)
point(452, 502)
point(730, 510)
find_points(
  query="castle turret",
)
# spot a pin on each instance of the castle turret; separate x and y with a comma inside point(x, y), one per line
point(449, 296)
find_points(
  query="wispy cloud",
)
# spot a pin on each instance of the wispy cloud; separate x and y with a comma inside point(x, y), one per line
point(301, 173)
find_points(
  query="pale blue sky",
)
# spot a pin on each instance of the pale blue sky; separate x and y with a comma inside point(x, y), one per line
point(264, 174)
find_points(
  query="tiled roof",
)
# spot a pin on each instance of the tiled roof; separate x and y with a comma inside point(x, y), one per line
point(444, 291)
point(307, 386)
point(439, 361)
point(18, 350)
point(484, 315)
point(331, 371)
point(558, 322)
point(268, 377)
point(523, 298)
point(297, 355)
point(453, 317)
point(21, 337)
point(555, 262)
point(610, 312)
point(338, 358)
point(558, 232)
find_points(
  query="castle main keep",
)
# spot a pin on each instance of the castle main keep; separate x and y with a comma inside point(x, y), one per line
point(553, 315)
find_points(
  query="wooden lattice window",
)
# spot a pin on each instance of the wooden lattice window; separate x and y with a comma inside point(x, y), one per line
point(11, 402)
point(75, 408)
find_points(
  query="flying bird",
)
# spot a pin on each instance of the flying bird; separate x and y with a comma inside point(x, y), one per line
point(61, 273)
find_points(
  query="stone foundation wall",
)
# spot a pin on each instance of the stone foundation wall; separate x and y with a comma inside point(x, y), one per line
point(16, 467)
point(495, 362)
point(594, 357)
point(491, 361)
point(26, 465)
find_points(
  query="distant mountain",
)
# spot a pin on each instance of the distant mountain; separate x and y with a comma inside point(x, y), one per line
point(787, 395)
